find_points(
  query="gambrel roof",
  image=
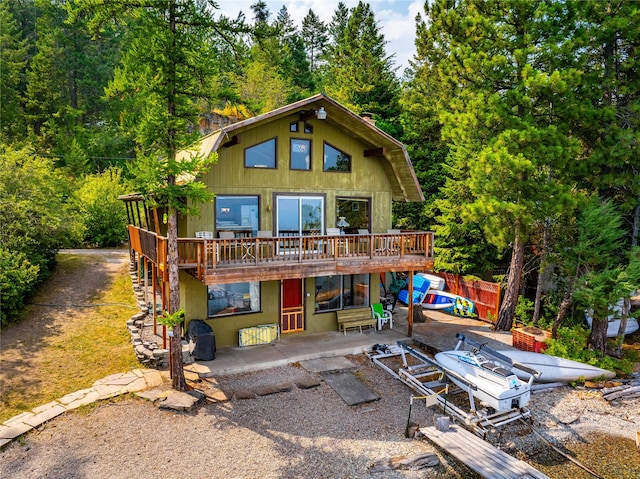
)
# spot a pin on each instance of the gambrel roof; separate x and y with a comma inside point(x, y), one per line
point(397, 165)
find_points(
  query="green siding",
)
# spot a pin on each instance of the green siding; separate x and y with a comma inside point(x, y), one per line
point(229, 176)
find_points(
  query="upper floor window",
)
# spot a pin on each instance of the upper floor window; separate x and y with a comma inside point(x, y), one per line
point(238, 214)
point(300, 154)
point(336, 160)
point(262, 155)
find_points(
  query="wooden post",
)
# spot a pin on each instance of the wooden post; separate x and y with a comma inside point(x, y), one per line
point(410, 308)
point(154, 287)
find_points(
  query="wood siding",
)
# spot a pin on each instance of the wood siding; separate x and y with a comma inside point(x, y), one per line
point(367, 178)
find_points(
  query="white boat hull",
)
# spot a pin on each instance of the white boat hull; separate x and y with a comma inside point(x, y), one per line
point(554, 369)
point(614, 326)
point(499, 389)
point(449, 302)
point(441, 300)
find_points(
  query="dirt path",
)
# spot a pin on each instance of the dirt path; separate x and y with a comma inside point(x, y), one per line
point(58, 312)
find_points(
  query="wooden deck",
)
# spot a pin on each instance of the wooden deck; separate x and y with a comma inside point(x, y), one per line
point(215, 260)
point(479, 455)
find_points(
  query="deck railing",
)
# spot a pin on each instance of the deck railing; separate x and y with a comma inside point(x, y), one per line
point(206, 254)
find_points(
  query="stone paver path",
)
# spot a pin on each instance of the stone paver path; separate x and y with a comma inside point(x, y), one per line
point(111, 386)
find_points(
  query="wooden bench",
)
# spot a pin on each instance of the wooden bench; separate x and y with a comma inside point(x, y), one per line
point(355, 318)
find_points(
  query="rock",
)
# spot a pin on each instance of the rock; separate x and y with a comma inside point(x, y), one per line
point(153, 395)
point(307, 383)
point(182, 401)
point(272, 389)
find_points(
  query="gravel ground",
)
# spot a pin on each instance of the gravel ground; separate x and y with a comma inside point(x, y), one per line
point(307, 433)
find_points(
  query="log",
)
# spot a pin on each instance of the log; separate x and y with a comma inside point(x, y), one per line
point(625, 392)
point(606, 391)
point(418, 314)
point(418, 461)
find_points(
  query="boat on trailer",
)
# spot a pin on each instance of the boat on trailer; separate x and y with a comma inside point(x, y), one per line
point(432, 380)
point(496, 384)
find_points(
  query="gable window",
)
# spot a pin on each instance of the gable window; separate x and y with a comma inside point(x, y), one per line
point(293, 127)
point(336, 160)
point(339, 292)
point(262, 155)
point(226, 299)
point(300, 154)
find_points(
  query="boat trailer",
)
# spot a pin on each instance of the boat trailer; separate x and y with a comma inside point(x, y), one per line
point(432, 382)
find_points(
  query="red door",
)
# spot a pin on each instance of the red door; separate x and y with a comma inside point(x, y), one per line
point(292, 301)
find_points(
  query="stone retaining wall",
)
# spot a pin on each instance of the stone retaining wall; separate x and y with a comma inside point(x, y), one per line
point(148, 352)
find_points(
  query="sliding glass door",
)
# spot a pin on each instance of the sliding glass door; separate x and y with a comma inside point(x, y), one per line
point(300, 215)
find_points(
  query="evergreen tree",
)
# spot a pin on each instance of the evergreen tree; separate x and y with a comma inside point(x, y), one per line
point(13, 60)
point(612, 129)
point(338, 25)
point(294, 66)
point(360, 74)
point(315, 37)
point(506, 98)
point(165, 73)
point(47, 93)
point(595, 263)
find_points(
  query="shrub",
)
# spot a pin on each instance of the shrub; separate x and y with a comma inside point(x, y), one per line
point(103, 215)
point(524, 310)
point(18, 278)
point(34, 224)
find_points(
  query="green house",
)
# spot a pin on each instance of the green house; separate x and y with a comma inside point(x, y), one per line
point(300, 227)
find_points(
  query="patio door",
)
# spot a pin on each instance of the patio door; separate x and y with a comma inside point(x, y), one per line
point(292, 309)
point(299, 215)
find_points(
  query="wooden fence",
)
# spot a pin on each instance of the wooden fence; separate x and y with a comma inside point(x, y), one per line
point(484, 294)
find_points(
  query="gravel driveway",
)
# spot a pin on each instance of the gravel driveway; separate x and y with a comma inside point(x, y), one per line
point(302, 433)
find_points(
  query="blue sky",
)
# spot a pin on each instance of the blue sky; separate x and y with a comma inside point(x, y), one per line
point(396, 19)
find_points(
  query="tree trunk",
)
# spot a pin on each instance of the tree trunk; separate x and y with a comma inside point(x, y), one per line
point(636, 221)
point(176, 366)
point(510, 300)
point(624, 317)
point(598, 336)
point(541, 272)
point(564, 307)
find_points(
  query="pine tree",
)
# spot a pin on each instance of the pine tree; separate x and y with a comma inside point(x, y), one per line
point(164, 72)
point(360, 74)
point(597, 266)
point(507, 91)
point(315, 37)
point(612, 129)
point(13, 60)
point(294, 66)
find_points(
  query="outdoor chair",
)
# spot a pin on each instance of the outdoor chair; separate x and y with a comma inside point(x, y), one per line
point(266, 247)
point(382, 315)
